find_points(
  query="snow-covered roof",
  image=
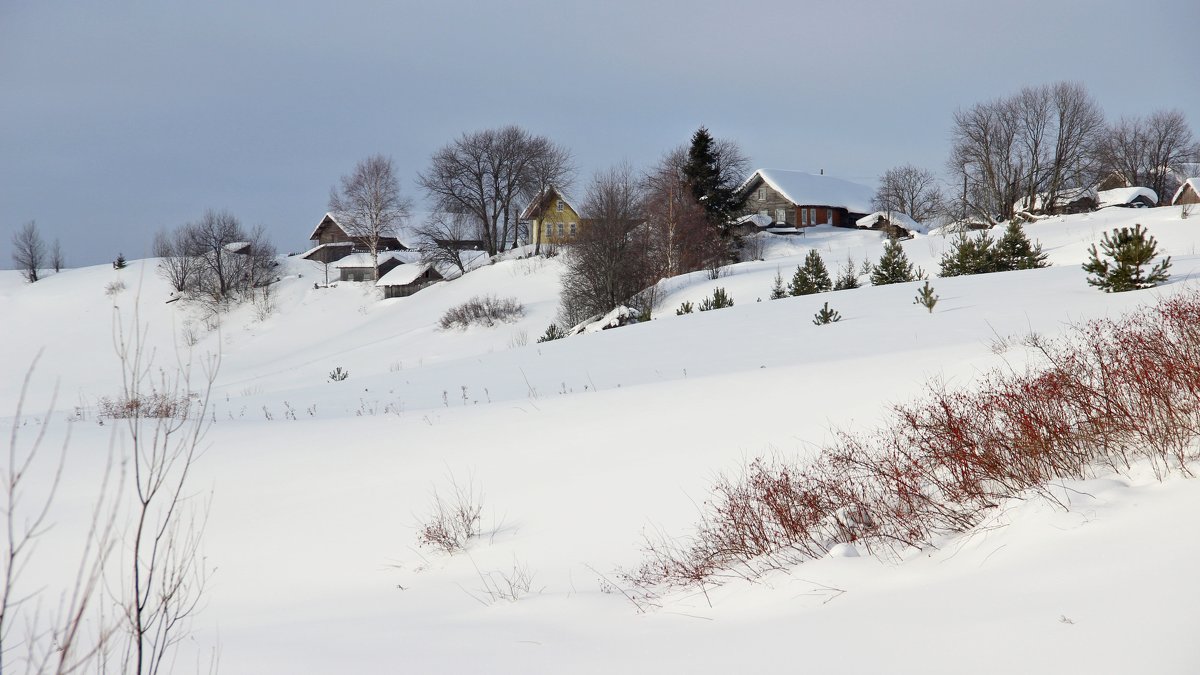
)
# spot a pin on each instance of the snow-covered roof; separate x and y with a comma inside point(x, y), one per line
point(403, 275)
point(364, 259)
point(1194, 182)
point(1125, 195)
point(237, 246)
point(1065, 197)
point(331, 216)
point(806, 189)
point(756, 219)
point(894, 217)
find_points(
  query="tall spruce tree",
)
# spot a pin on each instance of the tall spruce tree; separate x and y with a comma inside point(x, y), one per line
point(893, 266)
point(705, 175)
point(1130, 250)
point(1014, 251)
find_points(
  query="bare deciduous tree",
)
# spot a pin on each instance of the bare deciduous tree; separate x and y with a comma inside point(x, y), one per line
point(607, 264)
point(69, 640)
point(910, 190)
point(369, 204)
point(166, 568)
point(442, 238)
point(1146, 151)
point(681, 237)
point(1033, 145)
point(29, 251)
point(56, 257)
point(485, 175)
point(177, 262)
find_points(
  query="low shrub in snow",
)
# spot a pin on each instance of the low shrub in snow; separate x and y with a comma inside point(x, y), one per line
point(453, 519)
point(483, 310)
point(1108, 394)
point(719, 300)
point(153, 405)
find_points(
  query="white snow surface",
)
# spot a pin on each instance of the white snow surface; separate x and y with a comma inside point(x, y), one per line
point(581, 444)
point(807, 189)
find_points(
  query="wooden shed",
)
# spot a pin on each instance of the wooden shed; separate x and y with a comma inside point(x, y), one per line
point(404, 280)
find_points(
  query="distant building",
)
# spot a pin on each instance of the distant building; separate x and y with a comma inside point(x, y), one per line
point(332, 242)
point(799, 199)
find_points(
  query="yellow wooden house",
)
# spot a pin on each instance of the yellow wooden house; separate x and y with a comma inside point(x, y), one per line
point(552, 220)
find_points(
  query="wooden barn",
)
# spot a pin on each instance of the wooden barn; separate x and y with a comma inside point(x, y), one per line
point(358, 266)
point(892, 223)
point(331, 242)
point(404, 280)
point(1188, 193)
point(799, 199)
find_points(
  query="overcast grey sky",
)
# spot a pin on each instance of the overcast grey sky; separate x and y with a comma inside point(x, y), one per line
point(121, 117)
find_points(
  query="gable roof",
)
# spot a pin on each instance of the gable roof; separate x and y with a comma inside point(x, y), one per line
point(893, 217)
point(1064, 198)
point(538, 205)
point(1193, 182)
point(1122, 196)
point(405, 274)
point(806, 189)
point(332, 217)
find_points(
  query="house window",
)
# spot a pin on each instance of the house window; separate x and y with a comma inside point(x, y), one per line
point(764, 213)
point(762, 194)
point(561, 205)
point(545, 230)
point(560, 230)
point(804, 216)
point(781, 216)
point(573, 230)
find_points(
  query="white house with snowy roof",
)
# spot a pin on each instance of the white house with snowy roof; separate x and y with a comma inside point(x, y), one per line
point(800, 199)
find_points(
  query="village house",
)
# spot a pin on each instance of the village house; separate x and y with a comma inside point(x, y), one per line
point(892, 223)
point(1070, 200)
point(332, 242)
point(552, 219)
point(798, 199)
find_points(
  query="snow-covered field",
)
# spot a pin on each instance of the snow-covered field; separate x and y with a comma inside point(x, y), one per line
point(578, 446)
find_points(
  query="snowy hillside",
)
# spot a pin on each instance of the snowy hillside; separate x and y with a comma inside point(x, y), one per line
point(579, 446)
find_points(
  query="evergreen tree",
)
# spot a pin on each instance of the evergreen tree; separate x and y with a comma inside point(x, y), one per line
point(826, 315)
point(119, 263)
point(719, 300)
point(1014, 251)
point(553, 332)
point(684, 308)
point(778, 291)
point(703, 173)
point(847, 278)
point(1130, 251)
point(925, 297)
point(970, 254)
point(893, 266)
point(811, 277)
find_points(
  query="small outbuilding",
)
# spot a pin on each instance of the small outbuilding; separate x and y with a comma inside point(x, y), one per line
point(404, 280)
point(893, 223)
point(1128, 198)
point(359, 267)
point(1188, 193)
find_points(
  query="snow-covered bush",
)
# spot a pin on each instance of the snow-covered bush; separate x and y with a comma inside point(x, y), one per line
point(484, 310)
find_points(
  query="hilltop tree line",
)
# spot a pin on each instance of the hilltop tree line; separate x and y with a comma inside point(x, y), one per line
point(1036, 145)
